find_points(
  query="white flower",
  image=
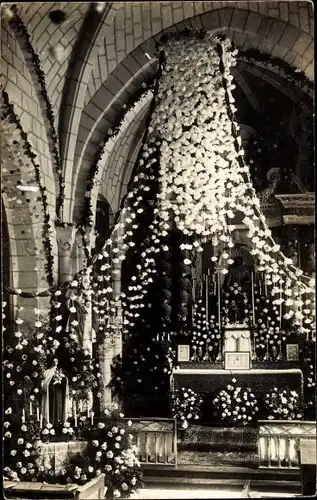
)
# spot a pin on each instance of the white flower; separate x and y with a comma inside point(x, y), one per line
point(109, 454)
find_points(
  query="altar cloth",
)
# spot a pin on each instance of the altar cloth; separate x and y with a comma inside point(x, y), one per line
point(261, 381)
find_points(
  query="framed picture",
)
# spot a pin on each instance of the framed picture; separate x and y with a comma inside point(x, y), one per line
point(183, 353)
point(237, 360)
point(292, 352)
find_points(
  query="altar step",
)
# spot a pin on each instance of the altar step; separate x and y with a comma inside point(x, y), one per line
point(254, 482)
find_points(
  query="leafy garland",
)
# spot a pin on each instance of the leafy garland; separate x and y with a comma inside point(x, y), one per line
point(18, 24)
point(10, 114)
point(293, 75)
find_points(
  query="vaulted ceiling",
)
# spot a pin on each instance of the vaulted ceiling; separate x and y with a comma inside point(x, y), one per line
point(100, 55)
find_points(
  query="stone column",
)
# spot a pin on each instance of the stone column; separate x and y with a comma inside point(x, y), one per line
point(65, 241)
point(78, 253)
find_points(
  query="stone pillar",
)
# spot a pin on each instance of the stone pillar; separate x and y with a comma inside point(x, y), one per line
point(78, 253)
point(65, 241)
point(105, 359)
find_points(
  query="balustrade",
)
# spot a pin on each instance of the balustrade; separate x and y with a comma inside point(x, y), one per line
point(278, 442)
point(156, 440)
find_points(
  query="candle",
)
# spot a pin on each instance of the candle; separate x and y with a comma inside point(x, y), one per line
point(219, 305)
point(37, 413)
point(265, 285)
point(75, 415)
point(41, 422)
point(252, 297)
point(87, 410)
point(80, 406)
point(281, 306)
point(30, 408)
point(23, 416)
point(219, 356)
point(92, 418)
point(207, 298)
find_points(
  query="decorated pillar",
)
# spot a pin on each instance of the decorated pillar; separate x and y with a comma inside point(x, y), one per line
point(65, 240)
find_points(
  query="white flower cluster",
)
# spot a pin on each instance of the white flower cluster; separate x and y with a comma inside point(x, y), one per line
point(236, 405)
point(203, 178)
point(283, 404)
point(186, 404)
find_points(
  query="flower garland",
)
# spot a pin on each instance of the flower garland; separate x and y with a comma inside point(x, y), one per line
point(201, 142)
point(17, 23)
point(87, 215)
point(146, 158)
point(283, 405)
point(309, 372)
point(11, 123)
point(235, 404)
point(205, 334)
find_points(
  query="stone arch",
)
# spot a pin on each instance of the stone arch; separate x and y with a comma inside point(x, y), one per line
point(85, 52)
point(99, 114)
point(124, 147)
point(106, 190)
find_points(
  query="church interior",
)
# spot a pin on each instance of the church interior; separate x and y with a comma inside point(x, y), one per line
point(158, 250)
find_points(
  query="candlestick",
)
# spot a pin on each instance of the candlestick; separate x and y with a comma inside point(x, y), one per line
point(267, 356)
point(30, 408)
point(252, 297)
point(37, 413)
point(23, 416)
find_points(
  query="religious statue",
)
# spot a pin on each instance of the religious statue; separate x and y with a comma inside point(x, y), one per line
point(74, 310)
point(238, 273)
point(54, 396)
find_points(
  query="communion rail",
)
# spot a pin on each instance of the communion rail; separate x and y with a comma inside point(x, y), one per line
point(279, 442)
point(156, 440)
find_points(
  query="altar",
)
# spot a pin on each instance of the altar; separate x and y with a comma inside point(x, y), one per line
point(260, 381)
